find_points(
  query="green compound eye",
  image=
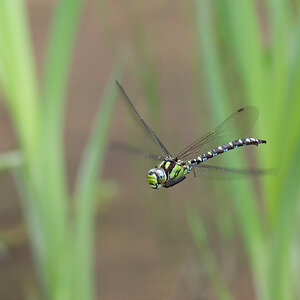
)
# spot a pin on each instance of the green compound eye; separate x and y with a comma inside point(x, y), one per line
point(156, 177)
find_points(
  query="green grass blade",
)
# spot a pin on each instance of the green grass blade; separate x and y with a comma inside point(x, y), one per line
point(57, 65)
point(17, 74)
point(19, 84)
point(211, 62)
point(282, 285)
point(269, 70)
point(86, 190)
point(207, 259)
point(283, 268)
point(246, 208)
point(55, 202)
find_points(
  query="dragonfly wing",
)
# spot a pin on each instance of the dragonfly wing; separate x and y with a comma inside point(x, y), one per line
point(209, 171)
point(141, 121)
point(131, 150)
point(233, 128)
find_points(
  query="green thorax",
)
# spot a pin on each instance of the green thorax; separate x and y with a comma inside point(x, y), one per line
point(174, 169)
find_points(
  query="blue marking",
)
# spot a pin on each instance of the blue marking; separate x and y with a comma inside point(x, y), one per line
point(215, 154)
point(204, 158)
point(225, 149)
point(235, 147)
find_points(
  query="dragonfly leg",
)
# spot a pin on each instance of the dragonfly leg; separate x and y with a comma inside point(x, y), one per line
point(171, 183)
point(194, 172)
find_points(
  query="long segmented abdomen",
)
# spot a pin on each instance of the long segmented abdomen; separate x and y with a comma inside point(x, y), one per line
point(224, 148)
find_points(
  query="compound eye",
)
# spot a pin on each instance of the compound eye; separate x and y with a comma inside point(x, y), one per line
point(160, 175)
point(151, 172)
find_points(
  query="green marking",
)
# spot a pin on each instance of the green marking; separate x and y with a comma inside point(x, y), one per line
point(167, 165)
point(159, 166)
point(152, 181)
point(175, 171)
point(181, 172)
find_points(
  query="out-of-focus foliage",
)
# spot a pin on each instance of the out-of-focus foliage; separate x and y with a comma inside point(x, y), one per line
point(257, 44)
point(62, 242)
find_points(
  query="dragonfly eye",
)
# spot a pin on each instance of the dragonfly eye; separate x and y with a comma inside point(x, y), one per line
point(161, 175)
point(156, 177)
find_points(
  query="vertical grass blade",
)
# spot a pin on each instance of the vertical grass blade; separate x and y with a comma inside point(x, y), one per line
point(211, 62)
point(19, 84)
point(268, 67)
point(246, 208)
point(57, 66)
point(17, 74)
point(207, 259)
point(86, 191)
point(283, 267)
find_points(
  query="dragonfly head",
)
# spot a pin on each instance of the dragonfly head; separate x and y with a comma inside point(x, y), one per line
point(156, 177)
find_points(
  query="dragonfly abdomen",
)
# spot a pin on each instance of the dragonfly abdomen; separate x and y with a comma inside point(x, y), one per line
point(224, 148)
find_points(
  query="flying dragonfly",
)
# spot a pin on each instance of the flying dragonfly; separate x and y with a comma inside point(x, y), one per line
point(193, 159)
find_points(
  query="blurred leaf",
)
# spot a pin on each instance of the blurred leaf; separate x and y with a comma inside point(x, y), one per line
point(207, 259)
point(246, 208)
point(268, 71)
point(86, 189)
point(10, 160)
point(55, 201)
point(17, 75)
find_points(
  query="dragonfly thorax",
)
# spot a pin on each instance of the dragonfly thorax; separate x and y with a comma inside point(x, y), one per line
point(156, 177)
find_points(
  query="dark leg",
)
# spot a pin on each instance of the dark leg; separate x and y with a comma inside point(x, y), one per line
point(171, 183)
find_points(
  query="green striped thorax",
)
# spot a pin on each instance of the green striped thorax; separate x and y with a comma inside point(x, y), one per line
point(156, 177)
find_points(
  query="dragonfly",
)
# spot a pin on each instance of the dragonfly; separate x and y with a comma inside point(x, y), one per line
point(194, 158)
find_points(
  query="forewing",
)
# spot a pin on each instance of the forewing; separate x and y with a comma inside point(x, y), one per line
point(233, 128)
point(147, 129)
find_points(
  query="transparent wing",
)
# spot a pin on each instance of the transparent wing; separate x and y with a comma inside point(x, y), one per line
point(233, 128)
point(209, 171)
point(131, 150)
point(141, 121)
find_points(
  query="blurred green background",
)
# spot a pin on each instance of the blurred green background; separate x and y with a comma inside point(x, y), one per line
point(77, 219)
